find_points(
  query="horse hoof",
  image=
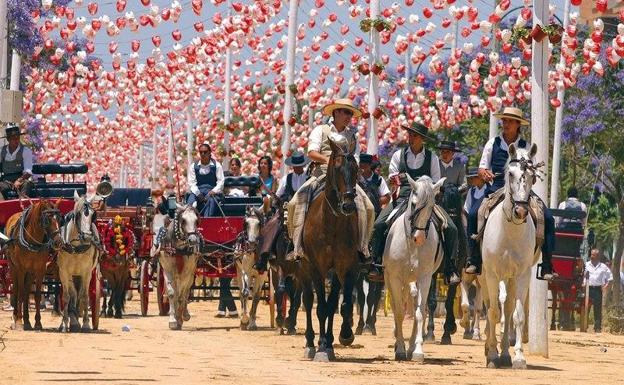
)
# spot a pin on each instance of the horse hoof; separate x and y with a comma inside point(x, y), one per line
point(400, 356)
point(174, 326)
point(429, 337)
point(252, 328)
point(359, 330)
point(476, 336)
point(512, 342)
point(38, 326)
point(468, 335)
point(346, 341)
point(519, 364)
point(370, 330)
point(27, 326)
point(445, 340)
point(85, 329)
point(321, 357)
point(309, 353)
point(109, 313)
point(504, 361)
point(418, 357)
point(291, 332)
point(491, 363)
point(74, 328)
point(186, 317)
point(331, 355)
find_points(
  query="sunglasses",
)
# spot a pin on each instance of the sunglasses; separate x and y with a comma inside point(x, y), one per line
point(345, 111)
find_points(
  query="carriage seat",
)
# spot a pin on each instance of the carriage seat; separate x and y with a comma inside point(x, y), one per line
point(62, 169)
point(236, 206)
point(569, 234)
point(63, 189)
point(128, 197)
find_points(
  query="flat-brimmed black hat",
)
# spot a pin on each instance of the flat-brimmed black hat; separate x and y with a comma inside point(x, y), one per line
point(448, 145)
point(297, 159)
point(366, 158)
point(418, 129)
point(12, 130)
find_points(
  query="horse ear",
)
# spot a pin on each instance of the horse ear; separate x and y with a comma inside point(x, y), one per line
point(411, 181)
point(438, 185)
point(332, 144)
point(352, 146)
point(533, 151)
point(512, 151)
point(76, 196)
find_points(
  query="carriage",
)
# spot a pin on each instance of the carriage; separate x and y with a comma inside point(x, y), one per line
point(567, 293)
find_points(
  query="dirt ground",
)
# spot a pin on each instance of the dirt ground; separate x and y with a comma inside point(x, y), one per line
point(213, 351)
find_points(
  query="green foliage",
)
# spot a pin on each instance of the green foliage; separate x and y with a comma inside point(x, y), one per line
point(604, 219)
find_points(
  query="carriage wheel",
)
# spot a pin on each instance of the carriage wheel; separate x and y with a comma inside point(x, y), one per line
point(95, 291)
point(161, 292)
point(144, 283)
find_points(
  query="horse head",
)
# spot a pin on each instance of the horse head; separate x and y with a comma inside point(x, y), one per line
point(420, 206)
point(342, 172)
point(253, 224)
point(83, 215)
point(520, 176)
point(187, 225)
point(48, 217)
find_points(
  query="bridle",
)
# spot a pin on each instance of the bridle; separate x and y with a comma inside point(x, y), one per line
point(181, 237)
point(526, 166)
point(46, 220)
point(347, 157)
point(243, 237)
point(85, 240)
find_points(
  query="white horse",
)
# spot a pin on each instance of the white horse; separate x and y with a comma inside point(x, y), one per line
point(77, 259)
point(179, 251)
point(411, 255)
point(250, 282)
point(509, 252)
point(470, 324)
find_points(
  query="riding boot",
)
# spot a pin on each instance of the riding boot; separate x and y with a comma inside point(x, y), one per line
point(449, 246)
point(377, 245)
point(473, 264)
point(545, 269)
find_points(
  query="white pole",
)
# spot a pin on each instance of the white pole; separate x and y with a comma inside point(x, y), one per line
point(154, 155)
point(3, 43)
point(554, 182)
point(16, 63)
point(189, 136)
point(228, 101)
point(170, 154)
point(141, 165)
point(291, 47)
point(373, 89)
point(120, 178)
point(493, 131)
point(538, 305)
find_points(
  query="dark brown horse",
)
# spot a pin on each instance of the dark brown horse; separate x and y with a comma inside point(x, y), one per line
point(330, 242)
point(115, 266)
point(35, 233)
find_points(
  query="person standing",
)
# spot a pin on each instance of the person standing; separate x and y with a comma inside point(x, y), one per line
point(205, 180)
point(597, 276)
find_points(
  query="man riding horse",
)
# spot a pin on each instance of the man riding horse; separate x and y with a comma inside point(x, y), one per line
point(16, 162)
point(416, 161)
point(341, 112)
point(492, 170)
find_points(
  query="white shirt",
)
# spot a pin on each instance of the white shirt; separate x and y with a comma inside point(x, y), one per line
point(27, 155)
point(486, 157)
point(316, 139)
point(562, 206)
point(203, 170)
point(297, 181)
point(446, 165)
point(478, 193)
point(599, 275)
point(383, 189)
point(415, 161)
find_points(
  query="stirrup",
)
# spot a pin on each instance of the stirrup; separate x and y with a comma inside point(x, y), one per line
point(539, 273)
point(292, 257)
point(453, 280)
point(475, 271)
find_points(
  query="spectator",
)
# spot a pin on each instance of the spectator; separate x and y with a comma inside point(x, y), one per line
point(265, 172)
point(572, 204)
point(235, 170)
point(597, 276)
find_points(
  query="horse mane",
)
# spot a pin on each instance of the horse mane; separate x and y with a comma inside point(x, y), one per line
point(423, 185)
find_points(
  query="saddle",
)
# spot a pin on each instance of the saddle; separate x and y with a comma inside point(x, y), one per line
point(536, 211)
point(438, 217)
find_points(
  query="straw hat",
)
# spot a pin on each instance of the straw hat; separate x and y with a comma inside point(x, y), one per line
point(342, 103)
point(513, 113)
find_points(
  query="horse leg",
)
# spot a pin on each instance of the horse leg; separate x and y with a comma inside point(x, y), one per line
point(169, 282)
point(396, 296)
point(38, 282)
point(65, 279)
point(308, 302)
point(419, 296)
point(244, 294)
point(553, 324)
point(362, 287)
point(346, 336)
point(28, 281)
point(294, 294)
point(432, 304)
point(449, 323)
point(321, 315)
point(464, 286)
point(508, 308)
point(332, 305)
point(374, 295)
point(279, 285)
point(85, 281)
point(519, 315)
point(119, 294)
point(478, 305)
point(254, 304)
point(493, 319)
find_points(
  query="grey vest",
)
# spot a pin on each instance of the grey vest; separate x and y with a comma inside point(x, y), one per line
point(13, 169)
point(455, 174)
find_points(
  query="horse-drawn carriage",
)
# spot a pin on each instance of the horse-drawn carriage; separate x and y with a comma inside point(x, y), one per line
point(567, 293)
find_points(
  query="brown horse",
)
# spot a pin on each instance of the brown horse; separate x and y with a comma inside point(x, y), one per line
point(35, 233)
point(115, 266)
point(330, 241)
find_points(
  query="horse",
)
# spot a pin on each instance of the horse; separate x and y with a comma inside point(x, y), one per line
point(508, 255)
point(368, 297)
point(179, 250)
point(250, 281)
point(470, 324)
point(411, 255)
point(330, 241)
point(35, 232)
point(76, 260)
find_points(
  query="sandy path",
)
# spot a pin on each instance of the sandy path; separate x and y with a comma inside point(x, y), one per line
point(210, 350)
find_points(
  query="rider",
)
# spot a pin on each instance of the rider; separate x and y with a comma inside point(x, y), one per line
point(372, 181)
point(289, 184)
point(572, 204)
point(476, 193)
point(416, 161)
point(492, 170)
point(16, 162)
point(341, 112)
point(205, 179)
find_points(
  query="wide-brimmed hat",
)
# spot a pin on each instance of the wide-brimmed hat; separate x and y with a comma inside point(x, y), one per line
point(472, 172)
point(297, 159)
point(418, 129)
point(342, 103)
point(366, 158)
point(448, 145)
point(12, 130)
point(512, 113)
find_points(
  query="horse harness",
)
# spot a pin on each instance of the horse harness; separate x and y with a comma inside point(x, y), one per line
point(84, 240)
point(334, 186)
point(36, 246)
point(433, 218)
point(525, 165)
point(175, 241)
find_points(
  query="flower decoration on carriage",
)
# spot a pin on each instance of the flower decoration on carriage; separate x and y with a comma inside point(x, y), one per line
point(120, 238)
